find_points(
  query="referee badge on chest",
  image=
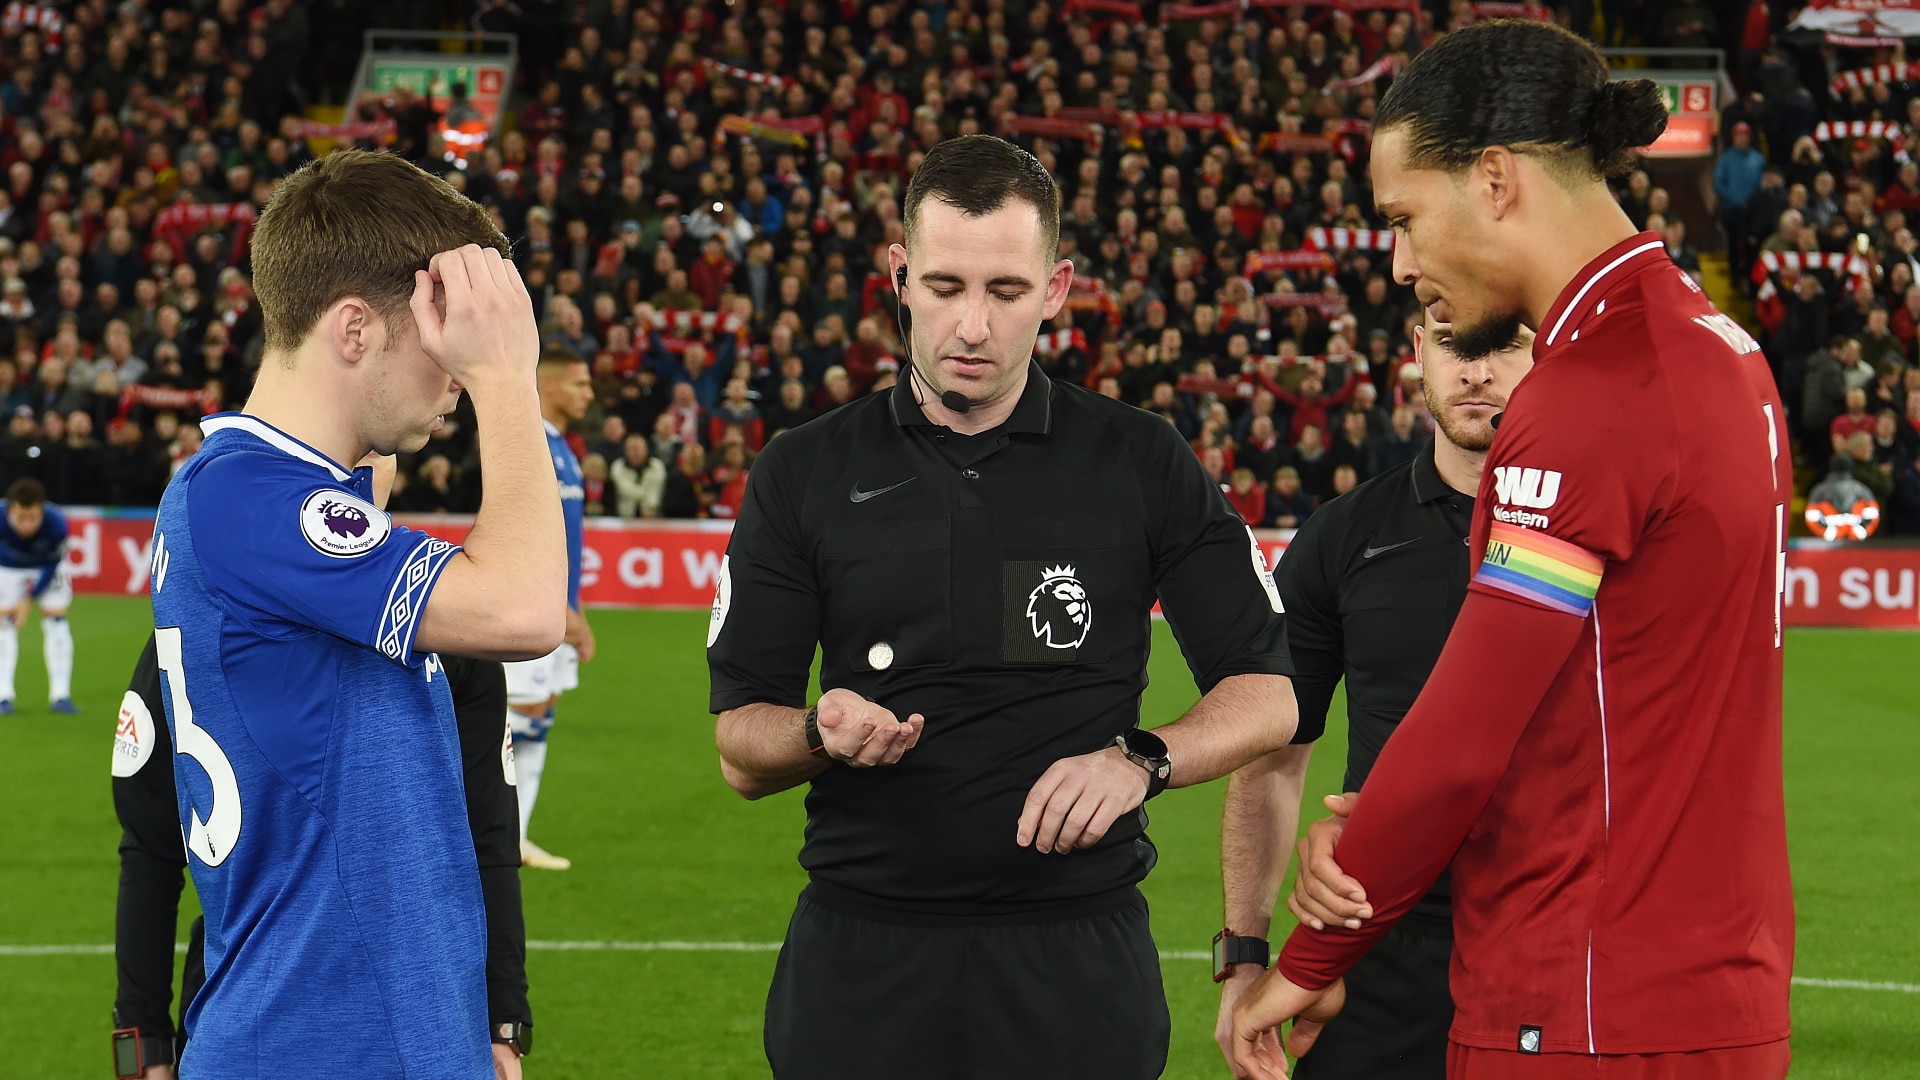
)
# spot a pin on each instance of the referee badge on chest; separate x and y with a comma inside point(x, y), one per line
point(1048, 613)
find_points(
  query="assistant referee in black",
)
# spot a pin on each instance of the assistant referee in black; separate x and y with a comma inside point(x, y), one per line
point(1372, 583)
point(976, 553)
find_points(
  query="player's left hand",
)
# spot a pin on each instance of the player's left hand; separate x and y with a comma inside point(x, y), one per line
point(506, 1063)
point(1271, 1001)
point(17, 614)
point(1323, 894)
point(1078, 799)
point(579, 634)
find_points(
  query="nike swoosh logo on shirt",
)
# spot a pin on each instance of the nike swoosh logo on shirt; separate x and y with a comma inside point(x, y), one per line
point(854, 494)
point(1372, 551)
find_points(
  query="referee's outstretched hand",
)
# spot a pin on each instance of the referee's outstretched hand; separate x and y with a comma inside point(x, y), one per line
point(859, 733)
point(1078, 799)
point(1323, 895)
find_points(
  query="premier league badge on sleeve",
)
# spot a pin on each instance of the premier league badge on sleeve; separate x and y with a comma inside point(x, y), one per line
point(341, 525)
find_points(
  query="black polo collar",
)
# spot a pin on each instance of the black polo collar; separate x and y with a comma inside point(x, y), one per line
point(1032, 414)
point(1427, 484)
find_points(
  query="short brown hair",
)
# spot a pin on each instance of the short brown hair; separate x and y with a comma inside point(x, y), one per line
point(979, 174)
point(355, 223)
point(26, 493)
point(556, 355)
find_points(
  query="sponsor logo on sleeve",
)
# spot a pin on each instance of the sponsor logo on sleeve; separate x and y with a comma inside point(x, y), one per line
point(133, 738)
point(1519, 491)
point(722, 601)
point(1265, 573)
point(341, 525)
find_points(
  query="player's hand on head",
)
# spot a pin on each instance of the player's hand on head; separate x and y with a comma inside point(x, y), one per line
point(1269, 1001)
point(484, 327)
point(1078, 799)
point(862, 734)
point(1323, 895)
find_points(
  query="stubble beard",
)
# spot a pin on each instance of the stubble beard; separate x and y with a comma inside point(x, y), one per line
point(1473, 436)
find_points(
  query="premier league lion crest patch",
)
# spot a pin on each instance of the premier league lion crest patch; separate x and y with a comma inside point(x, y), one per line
point(340, 525)
point(1049, 614)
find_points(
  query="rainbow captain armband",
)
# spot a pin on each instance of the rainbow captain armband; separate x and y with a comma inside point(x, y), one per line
point(1534, 566)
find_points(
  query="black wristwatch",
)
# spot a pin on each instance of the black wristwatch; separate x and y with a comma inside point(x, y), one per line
point(514, 1034)
point(1230, 949)
point(134, 1052)
point(1149, 751)
point(815, 744)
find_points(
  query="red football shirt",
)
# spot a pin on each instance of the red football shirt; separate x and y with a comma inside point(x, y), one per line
point(1598, 751)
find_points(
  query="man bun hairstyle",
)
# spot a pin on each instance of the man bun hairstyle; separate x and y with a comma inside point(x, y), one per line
point(979, 174)
point(1530, 86)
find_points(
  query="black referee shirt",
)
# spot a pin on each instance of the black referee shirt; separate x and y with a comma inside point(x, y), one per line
point(999, 584)
point(1372, 583)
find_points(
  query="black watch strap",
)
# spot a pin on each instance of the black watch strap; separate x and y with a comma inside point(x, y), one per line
point(515, 1034)
point(815, 744)
point(1230, 949)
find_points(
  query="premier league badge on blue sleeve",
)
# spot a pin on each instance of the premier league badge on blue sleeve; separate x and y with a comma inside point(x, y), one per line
point(340, 525)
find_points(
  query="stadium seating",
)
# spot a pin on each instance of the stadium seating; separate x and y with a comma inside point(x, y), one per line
point(702, 193)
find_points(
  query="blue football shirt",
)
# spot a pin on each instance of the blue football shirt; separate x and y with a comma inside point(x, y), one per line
point(319, 772)
point(42, 551)
point(573, 506)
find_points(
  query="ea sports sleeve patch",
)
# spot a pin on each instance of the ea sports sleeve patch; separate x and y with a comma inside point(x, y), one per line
point(1533, 566)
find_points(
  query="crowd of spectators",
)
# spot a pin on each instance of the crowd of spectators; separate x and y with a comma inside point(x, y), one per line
point(1817, 186)
point(701, 196)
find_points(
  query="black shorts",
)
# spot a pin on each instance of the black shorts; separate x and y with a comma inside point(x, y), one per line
point(1055, 995)
point(1394, 1025)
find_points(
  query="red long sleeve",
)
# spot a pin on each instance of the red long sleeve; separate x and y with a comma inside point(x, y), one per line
point(1438, 770)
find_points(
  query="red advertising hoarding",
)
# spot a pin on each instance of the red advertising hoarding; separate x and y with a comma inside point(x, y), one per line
point(677, 565)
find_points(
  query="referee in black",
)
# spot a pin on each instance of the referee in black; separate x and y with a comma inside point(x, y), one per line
point(1372, 583)
point(976, 553)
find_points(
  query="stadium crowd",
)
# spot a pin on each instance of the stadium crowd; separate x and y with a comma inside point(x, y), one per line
point(701, 196)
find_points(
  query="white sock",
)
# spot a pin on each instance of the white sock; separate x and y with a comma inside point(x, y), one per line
point(9, 658)
point(529, 761)
point(57, 642)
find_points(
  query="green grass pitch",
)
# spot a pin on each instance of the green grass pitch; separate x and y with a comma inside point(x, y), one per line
point(664, 852)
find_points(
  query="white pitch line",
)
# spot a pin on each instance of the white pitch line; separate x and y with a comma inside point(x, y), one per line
point(1856, 984)
point(774, 946)
point(653, 946)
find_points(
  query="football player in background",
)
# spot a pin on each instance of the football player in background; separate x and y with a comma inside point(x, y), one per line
point(534, 686)
point(33, 568)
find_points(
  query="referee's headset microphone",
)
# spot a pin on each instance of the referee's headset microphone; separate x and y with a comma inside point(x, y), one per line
point(954, 400)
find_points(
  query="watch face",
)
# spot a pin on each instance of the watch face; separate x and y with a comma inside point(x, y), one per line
point(1146, 744)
